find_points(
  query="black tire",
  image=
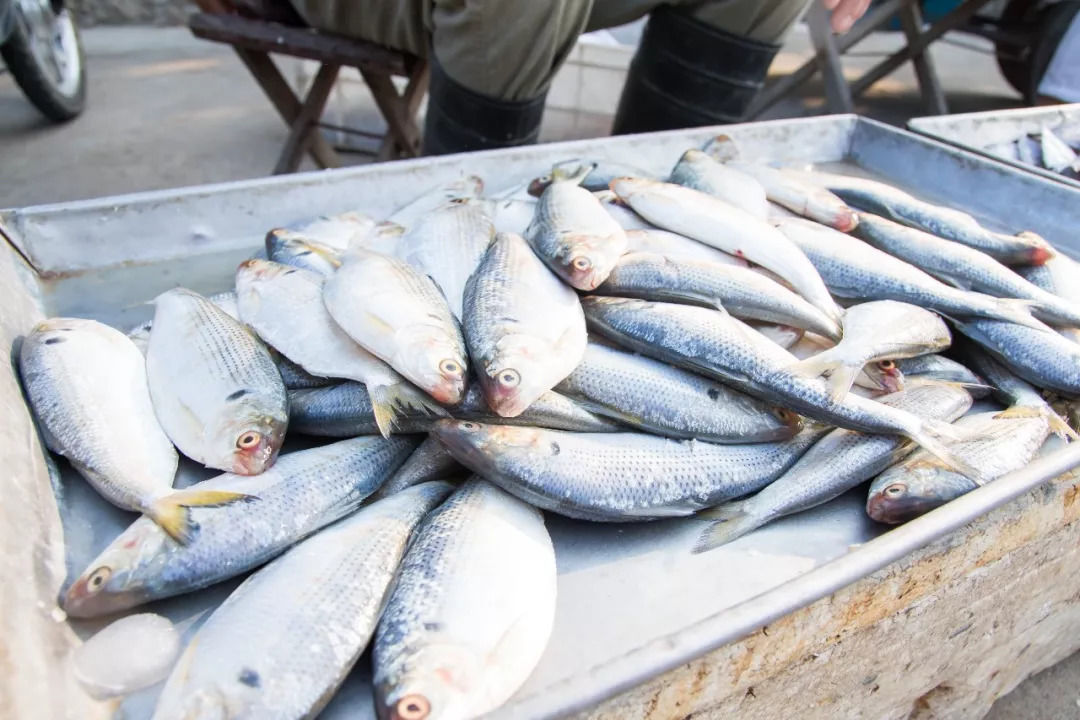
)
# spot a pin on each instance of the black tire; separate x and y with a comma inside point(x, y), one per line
point(36, 84)
point(1014, 61)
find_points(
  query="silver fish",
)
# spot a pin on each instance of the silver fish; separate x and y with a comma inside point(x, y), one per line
point(574, 234)
point(464, 188)
point(617, 477)
point(740, 291)
point(853, 269)
point(338, 232)
point(836, 463)
point(399, 315)
point(344, 410)
point(291, 248)
point(471, 612)
point(677, 247)
point(597, 174)
point(878, 377)
point(783, 335)
point(669, 401)
point(216, 391)
point(876, 331)
point(1041, 357)
point(283, 641)
point(87, 385)
point(621, 213)
point(785, 189)
point(303, 492)
point(719, 346)
point(943, 369)
point(447, 244)
point(1025, 248)
point(728, 228)
point(697, 170)
point(964, 267)
point(524, 328)
point(999, 443)
point(430, 461)
point(284, 305)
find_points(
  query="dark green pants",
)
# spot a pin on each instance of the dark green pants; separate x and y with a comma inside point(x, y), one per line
point(510, 49)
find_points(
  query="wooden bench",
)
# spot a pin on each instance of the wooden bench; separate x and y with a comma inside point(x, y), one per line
point(254, 40)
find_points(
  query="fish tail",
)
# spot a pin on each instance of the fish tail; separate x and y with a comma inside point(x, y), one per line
point(172, 512)
point(934, 436)
point(1018, 311)
point(727, 522)
point(388, 402)
point(1057, 424)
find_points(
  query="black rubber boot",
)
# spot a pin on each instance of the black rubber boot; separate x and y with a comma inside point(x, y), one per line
point(459, 119)
point(688, 74)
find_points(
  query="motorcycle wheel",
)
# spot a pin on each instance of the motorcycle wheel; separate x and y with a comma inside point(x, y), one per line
point(46, 60)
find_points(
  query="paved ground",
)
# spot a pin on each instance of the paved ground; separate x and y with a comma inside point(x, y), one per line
point(168, 111)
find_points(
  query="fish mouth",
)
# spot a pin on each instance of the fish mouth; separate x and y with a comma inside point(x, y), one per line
point(895, 511)
point(79, 602)
point(448, 391)
point(846, 221)
point(1039, 255)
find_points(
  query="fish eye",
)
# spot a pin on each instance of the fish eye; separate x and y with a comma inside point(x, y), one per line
point(98, 578)
point(450, 367)
point(509, 378)
point(895, 489)
point(581, 263)
point(886, 365)
point(412, 707)
point(784, 414)
point(249, 440)
point(469, 426)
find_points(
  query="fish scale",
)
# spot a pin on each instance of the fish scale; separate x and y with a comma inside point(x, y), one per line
point(615, 477)
point(673, 402)
point(283, 641)
point(472, 609)
point(303, 492)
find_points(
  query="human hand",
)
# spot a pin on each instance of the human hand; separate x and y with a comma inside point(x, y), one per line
point(845, 12)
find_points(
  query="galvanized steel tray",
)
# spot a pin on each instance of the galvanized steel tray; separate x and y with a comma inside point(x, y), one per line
point(975, 131)
point(633, 601)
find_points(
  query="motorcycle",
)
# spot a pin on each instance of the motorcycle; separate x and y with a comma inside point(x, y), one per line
point(40, 46)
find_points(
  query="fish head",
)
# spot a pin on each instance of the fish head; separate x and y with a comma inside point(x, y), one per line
point(586, 259)
point(912, 489)
point(435, 362)
point(886, 375)
point(480, 446)
point(517, 375)
point(1039, 251)
point(438, 680)
point(118, 578)
point(247, 436)
point(290, 248)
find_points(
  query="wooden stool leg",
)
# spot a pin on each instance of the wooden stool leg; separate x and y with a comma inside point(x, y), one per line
point(911, 21)
point(837, 92)
point(264, 71)
point(401, 128)
point(304, 127)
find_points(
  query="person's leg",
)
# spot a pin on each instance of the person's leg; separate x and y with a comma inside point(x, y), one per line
point(702, 63)
point(398, 24)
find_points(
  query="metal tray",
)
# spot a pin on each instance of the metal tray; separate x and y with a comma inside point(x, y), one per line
point(974, 131)
point(633, 602)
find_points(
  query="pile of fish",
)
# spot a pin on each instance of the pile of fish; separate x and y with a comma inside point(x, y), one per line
point(1052, 148)
point(732, 343)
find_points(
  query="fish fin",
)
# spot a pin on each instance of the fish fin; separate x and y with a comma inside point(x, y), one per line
point(727, 522)
point(1057, 424)
point(958, 283)
point(1018, 310)
point(171, 511)
point(840, 375)
point(571, 171)
point(388, 401)
point(722, 149)
point(932, 436)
